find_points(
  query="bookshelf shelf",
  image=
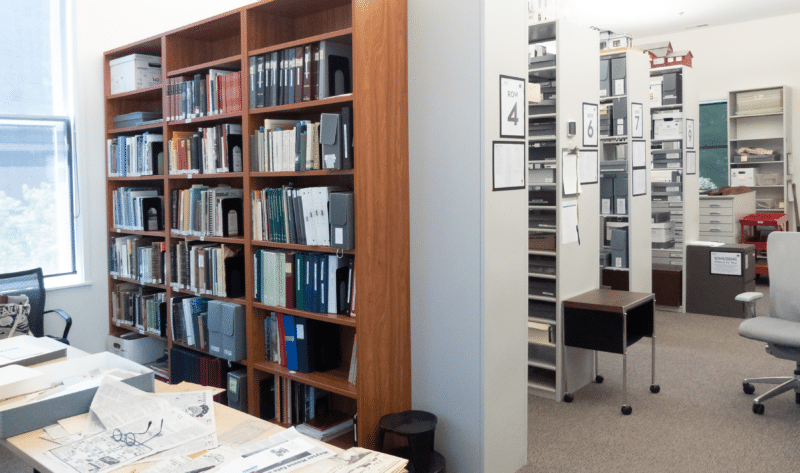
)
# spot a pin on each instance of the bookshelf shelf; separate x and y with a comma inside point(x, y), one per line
point(312, 106)
point(334, 381)
point(231, 63)
point(331, 318)
point(342, 34)
point(380, 188)
point(140, 94)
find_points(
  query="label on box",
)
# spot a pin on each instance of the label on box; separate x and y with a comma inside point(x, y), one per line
point(618, 262)
point(619, 87)
point(605, 206)
point(673, 189)
point(621, 206)
point(673, 165)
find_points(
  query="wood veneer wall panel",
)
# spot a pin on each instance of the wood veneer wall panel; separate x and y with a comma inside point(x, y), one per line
point(382, 211)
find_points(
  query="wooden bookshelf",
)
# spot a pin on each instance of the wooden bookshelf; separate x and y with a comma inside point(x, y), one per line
point(379, 180)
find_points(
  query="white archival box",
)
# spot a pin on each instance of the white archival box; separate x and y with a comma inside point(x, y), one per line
point(134, 71)
point(25, 350)
point(17, 419)
point(136, 347)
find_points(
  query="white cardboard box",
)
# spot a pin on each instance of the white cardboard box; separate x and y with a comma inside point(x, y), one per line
point(667, 125)
point(134, 71)
point(743, 177)
point(136, 347)
point(17, 419)
point(25, 350)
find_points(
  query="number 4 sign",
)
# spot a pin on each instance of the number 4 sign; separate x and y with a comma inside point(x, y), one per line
point(512, 107)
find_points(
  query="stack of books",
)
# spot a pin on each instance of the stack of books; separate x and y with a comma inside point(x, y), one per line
point(328, 426)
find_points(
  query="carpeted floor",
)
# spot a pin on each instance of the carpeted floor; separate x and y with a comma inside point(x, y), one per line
point(701, 421)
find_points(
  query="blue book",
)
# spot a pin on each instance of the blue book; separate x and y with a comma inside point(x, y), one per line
point(303, 346)
point(290, 335)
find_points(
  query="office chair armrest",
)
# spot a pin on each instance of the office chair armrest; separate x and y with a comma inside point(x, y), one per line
point(749, 299)
point(66, 318)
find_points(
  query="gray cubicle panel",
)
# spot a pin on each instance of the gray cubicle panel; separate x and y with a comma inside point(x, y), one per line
point(712, 286)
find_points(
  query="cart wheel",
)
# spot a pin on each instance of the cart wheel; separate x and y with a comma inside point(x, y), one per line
point(758, 409)
point(568, 397)
point(748, 388)
point(654, 388)
point(598, 379)
point(627, 410)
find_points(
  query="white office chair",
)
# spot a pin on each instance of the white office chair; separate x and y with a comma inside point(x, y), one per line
point(781, 330)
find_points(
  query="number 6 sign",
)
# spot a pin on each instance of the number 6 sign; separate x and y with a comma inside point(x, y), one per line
point(590, 127)
point(512, 107)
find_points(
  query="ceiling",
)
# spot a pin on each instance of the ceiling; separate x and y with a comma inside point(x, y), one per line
point(642, 18)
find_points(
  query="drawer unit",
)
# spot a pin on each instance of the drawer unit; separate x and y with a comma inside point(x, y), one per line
point(717, 219)
point(719, 216)
point(716, 228)
point(717, 237)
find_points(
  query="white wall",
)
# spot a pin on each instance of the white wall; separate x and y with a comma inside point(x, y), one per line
point(468, 258)
point(753, 54)
point(100, 26)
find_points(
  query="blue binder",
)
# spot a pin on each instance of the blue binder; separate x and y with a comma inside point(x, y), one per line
point(290, 335)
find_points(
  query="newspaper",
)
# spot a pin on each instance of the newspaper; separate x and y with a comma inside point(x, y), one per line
point(246, 432)
point(200, 405)
point(116, 403)
point(169, 465)
point(359, 460)
point(127, 443)
point(283, 452)
point(212, 461)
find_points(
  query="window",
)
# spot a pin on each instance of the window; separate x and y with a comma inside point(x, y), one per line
point(713, 161)
point(37, 215)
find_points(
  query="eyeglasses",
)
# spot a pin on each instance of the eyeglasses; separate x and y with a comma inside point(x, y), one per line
point(129, 438)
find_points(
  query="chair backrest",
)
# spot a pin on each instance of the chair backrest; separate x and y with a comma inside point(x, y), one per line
point(783, 260)
point(30, 283)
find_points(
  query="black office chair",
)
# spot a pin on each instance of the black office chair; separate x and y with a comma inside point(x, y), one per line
point(31, 284)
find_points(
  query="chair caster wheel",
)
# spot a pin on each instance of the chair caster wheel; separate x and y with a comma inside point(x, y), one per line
point(627, 410)
point(758, 409)
point(654, 388)
point(748, 388)
point(598, 379)
point(569, 398)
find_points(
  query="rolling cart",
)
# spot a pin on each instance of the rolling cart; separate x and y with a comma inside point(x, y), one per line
point(751, 235)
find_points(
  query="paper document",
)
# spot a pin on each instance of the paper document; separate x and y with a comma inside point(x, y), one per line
point(569, 221)
point(213, 461)
point(115, 403)
point(358, 460)
point(282, 452)
point(200, 405)
point(246, 432)
point(569, 173)
point(125, 444)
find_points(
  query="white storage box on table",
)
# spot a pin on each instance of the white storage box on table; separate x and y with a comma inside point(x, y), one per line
point(136, 347)
point(134, 71)
point(668, 125)
point(17, 418)
point(743, 177)
point(662, 232)
point(25, 350)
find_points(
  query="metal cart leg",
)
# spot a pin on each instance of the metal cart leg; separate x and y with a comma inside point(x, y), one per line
point(654, 388)
point(626, 409)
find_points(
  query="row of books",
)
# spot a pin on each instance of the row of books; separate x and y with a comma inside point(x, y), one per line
point(138, 208)
point(203, 95)
point(312, 282)
point(299, 74)
point(207, 268)
point(137, 257)
point(193, 367)
point(307, 407)
point(288, 215)
point(139, 307)
point(301, 344)
point(209, 150)
point(207, 211)
point(138, 155)
point(285, 145)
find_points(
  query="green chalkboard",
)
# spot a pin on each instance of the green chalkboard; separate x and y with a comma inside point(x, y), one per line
point(713, 145)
